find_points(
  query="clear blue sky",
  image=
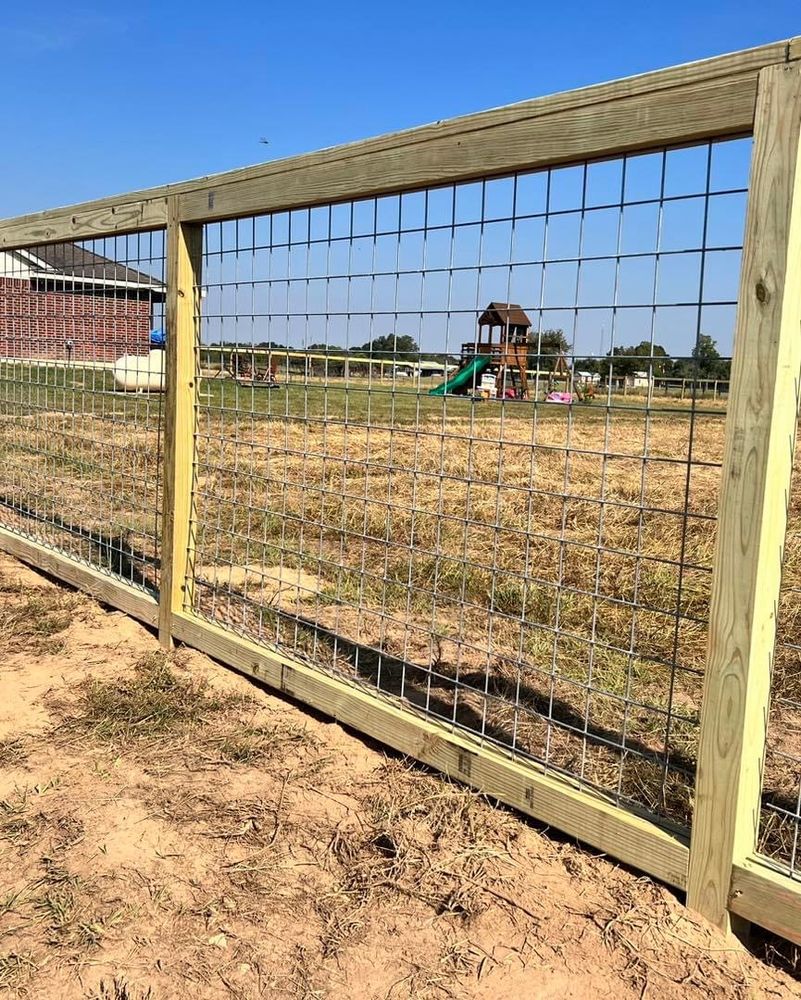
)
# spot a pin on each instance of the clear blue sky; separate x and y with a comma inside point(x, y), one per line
point(103, 98)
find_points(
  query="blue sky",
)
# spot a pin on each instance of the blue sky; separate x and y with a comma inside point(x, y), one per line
point(108, 98)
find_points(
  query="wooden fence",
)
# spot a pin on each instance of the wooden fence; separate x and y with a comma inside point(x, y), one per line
point(754, 92)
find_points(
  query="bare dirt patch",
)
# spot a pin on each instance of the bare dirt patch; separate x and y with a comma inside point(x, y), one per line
point(169, 830)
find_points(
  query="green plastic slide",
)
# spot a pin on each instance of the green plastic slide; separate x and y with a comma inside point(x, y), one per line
point(469, 370)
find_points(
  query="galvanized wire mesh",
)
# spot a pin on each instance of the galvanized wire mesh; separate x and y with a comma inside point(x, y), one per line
point(780, 826)
point(80, 417)
point(534, 572)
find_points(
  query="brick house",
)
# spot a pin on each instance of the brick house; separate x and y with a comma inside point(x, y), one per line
point(63, 301)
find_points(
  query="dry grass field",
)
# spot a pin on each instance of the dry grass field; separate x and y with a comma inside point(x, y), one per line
point(169, 831)
point(539, 576)
point(489, 603)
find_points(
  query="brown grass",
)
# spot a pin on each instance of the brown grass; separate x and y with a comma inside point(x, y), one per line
point(154, 701)
point(557, 626)
point(485, 605)
point(118, 989)
point(159, 704)
point(35, 624)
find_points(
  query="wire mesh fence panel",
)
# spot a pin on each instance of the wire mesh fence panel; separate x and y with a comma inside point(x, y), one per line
point(780, 823)
point(463, 445)
point(81, 383)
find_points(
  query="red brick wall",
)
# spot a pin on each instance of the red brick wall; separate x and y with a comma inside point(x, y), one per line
point(38, 324)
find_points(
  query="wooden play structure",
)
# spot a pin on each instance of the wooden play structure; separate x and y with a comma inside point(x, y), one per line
point(503, 330)
point(245, 369)
point(506, 352)
point(560, 373)
point(502, 345)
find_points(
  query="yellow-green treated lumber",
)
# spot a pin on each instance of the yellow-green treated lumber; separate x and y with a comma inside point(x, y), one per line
point(98, 584)
point(695, 100)
point(755, 484)
point(184, 250)
point(764, 896)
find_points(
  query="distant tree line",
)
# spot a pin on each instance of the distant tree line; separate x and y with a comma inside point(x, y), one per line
point(400, 346)
point(545, 347)
point(388, 347)
point(705, 361)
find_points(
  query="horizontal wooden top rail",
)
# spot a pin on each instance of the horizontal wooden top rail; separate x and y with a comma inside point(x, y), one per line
point(712, 98)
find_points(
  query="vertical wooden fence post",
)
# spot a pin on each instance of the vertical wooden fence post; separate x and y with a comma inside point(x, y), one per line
point(184, 249)
point(755, 482)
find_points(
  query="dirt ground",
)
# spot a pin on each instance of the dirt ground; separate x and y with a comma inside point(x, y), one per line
point(170, 830)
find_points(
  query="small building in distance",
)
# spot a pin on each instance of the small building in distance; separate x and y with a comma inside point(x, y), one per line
point(639, 380)
point(62, 301)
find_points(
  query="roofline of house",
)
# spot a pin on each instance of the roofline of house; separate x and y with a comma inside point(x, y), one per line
point(46, 272)
point(110, 283)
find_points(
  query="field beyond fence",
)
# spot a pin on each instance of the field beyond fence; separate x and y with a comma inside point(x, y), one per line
point(489, 456)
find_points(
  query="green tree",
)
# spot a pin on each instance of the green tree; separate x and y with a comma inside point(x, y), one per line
point(644, 356)
point(705, 362)
point(707, 358)
point(545, 348)
point(391, 345)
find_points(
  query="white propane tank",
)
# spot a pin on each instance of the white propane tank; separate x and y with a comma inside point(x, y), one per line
point(140, 372)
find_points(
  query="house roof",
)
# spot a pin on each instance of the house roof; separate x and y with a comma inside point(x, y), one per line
point(73, 261)
point(503, 314)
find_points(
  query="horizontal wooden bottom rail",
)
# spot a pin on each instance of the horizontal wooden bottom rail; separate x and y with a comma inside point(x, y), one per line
point(105, 588)
point(767, 897)
point(552, 800)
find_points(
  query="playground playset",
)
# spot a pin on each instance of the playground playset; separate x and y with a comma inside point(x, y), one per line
point(501, 348)
point(495, 364)
point(245, 369)
point(501, 345)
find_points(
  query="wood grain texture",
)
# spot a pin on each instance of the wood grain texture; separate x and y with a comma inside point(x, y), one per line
point(549, 799)
point(184, 250)
point(645, 121)
point(112, 216)
point(105, 588)
point(757, 465)
point(439, 149)
point(767, 897)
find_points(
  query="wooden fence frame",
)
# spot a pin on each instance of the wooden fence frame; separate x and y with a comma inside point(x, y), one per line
point(755, 91)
